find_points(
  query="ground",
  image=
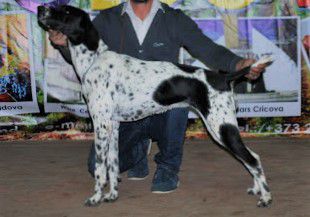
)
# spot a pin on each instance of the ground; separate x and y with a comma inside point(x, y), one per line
point(50, 179)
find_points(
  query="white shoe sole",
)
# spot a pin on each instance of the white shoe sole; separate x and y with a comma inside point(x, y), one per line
point(136, 178)
point(149, 147)
point(167, 192)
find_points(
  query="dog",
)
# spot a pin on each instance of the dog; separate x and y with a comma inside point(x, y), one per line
point(118, 88)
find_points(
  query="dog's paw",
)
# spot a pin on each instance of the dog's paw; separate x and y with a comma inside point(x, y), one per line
point(264, 203)
point(110, 197)
point(253, 191)
point(265, 200)
point(93, 201)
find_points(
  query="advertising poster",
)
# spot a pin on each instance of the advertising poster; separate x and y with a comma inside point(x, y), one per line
point(288, 37)
point(278, 91)
point(17, 82)
point(40, 95)
point(104, 4)
point(62, 89)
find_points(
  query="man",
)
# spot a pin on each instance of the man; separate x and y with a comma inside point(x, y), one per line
point(150, 30)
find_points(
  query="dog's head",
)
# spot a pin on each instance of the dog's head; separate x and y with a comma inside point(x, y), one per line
point(73, 22)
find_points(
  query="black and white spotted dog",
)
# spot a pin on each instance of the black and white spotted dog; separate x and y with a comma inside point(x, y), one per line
point(121, 88)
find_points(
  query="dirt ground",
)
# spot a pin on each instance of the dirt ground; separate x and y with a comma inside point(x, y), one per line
point(50, 179)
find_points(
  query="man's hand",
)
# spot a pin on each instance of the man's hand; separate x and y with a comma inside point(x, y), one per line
point(57, 38)
point(255, 71)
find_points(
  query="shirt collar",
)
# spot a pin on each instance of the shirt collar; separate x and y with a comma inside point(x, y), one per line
point(155, 7)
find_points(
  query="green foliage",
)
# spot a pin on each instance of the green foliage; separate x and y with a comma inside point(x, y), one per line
point(269, 123)
point(54, 117)
point(30, 128)
point(40, 97)
point(5, 119)
point(196, 125)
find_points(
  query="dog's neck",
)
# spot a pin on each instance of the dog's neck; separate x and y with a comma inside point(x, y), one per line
point(83, 58)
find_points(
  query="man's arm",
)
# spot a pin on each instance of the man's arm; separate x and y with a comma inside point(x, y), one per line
point(210, 53)
point(203, 48)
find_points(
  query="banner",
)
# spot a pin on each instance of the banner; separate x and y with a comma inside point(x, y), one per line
point(17, 82)
point(105, 4)
point(62, 88)
point(34, 79)
point(278, 91)
point(250, 29)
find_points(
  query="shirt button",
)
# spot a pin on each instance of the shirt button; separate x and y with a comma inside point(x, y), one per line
point(140, 51)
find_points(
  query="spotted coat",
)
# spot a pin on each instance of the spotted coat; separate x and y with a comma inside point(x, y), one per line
point(121, 88)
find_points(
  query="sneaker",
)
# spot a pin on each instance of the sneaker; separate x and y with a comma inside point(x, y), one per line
point(149, 147)
point(140, 171)
point(164, 181)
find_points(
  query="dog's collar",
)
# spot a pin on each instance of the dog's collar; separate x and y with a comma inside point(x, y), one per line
point(102, 47)
point(82, 71)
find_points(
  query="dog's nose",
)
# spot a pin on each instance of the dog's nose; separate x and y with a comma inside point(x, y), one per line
point(43, 10)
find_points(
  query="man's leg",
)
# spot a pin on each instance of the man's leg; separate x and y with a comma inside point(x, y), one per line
point(140, 170)
point(169, 129)
point(132, 137)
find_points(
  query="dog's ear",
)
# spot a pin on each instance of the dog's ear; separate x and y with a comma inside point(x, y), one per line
point(91, 36)
point(76, 37)
point(85, 33)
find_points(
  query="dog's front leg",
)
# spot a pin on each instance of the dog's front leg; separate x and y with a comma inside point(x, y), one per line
point(113, 163)
point(102, 139)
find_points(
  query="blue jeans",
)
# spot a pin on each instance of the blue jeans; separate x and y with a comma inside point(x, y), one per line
point(168, 129)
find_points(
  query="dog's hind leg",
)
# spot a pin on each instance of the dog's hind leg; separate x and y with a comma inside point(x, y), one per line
point(222, 125)
point(231, 139)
